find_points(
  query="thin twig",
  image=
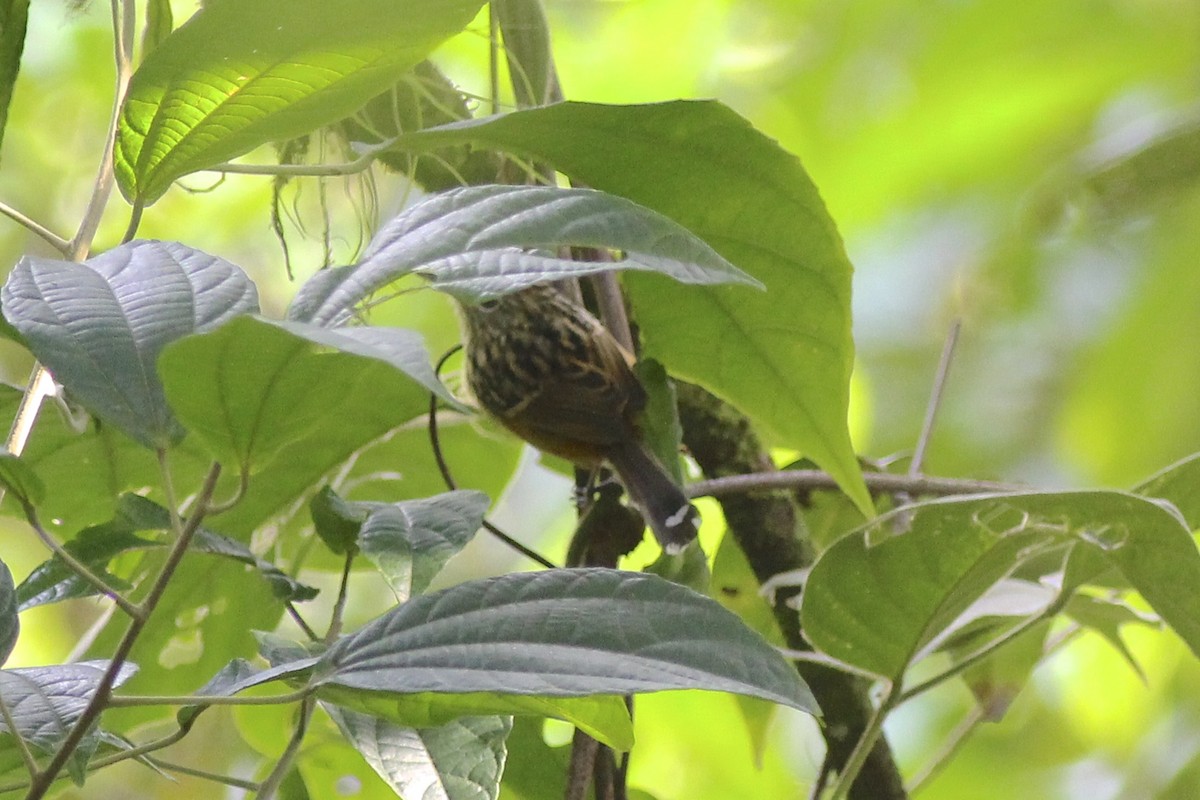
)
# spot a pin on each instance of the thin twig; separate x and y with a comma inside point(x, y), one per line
point(339, 605)
point(448, 476)
point(863, 747)
point(77, 566)
point(27, 756)
point(880, 482)
point(267, 789)
point(983, 652)
point(954, 742)
point(227, 780)
point(136, 700)
point(124, 21)
point(42, 782)
point(935, 397)
point(360, 164)
point(294, 613)
point(33, 226)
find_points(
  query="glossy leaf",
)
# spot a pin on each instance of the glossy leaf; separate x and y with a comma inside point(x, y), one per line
point(562, 633)
point(783, 356)
point(474, 243)
point(238, 75)
point(46, 701)
point(100, 325)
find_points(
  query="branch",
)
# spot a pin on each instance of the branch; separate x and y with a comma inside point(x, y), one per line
point(42, 782)
point(53, 239)
point(878, 482)
point(769, 530)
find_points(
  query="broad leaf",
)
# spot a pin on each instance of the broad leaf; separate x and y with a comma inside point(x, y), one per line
point(14, 17)
point(561, 633)
point(474, 243)
point(100, 325)
point(96, 546)
point(238, 75)
point(254, 387)
point(783, 356)
point(46, 701)
point(1178, 484)
point(412, 540)
point(952, 551)
point(461, 760)
point(10, 625)
point(336, 521)
point(19, 480)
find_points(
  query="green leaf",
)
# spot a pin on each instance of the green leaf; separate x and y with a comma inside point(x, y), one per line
point(473, 243)
point(100, 325)
point(238, 75)
point(160, 21)
point(603, 717)
point(784, 356)
point(10, 625)
point(412, 540)
point(19, 480)
point(337, 522)
point(461, 760)
point(46, 701)
point(14, 17)
point(952, 551)
point(1107, 617)
point(254, 387)
point(659, 420)
point(1178, 484)
point(562, 633)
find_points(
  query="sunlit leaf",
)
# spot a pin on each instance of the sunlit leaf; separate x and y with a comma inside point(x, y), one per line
point(254, 387)
point(878, 598)
point(238, 75)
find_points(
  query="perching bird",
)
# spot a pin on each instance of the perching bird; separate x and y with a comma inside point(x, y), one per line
point(551, 373)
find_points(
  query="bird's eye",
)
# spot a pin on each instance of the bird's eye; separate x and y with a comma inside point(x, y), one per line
point(488, 305)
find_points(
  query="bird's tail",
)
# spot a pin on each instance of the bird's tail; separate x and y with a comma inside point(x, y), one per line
point(672, 518)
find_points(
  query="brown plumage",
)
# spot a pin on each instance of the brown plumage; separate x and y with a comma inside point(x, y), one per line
point(551, 373)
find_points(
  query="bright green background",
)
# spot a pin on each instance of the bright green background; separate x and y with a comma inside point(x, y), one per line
point(951, 142)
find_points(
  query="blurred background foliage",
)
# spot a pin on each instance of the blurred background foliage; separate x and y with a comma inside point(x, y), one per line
point(1029, 168)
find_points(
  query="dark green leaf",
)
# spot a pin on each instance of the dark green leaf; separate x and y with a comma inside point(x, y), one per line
point(46, 701)
point(238, 75)
point(14, 16)
point(1178, 484)
point(53, 581)
point(660, 419)
point(461, 760)
point(474, 243)
point(412, 540)
point(159, 23)
point(562, 633)
point(10, 625)
point(97, 545)
point(337, 522)
point(99, 326)
point(254, 387)
point(19, 480)
point(783, 356)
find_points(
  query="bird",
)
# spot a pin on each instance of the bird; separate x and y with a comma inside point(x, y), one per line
point(550, 372)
